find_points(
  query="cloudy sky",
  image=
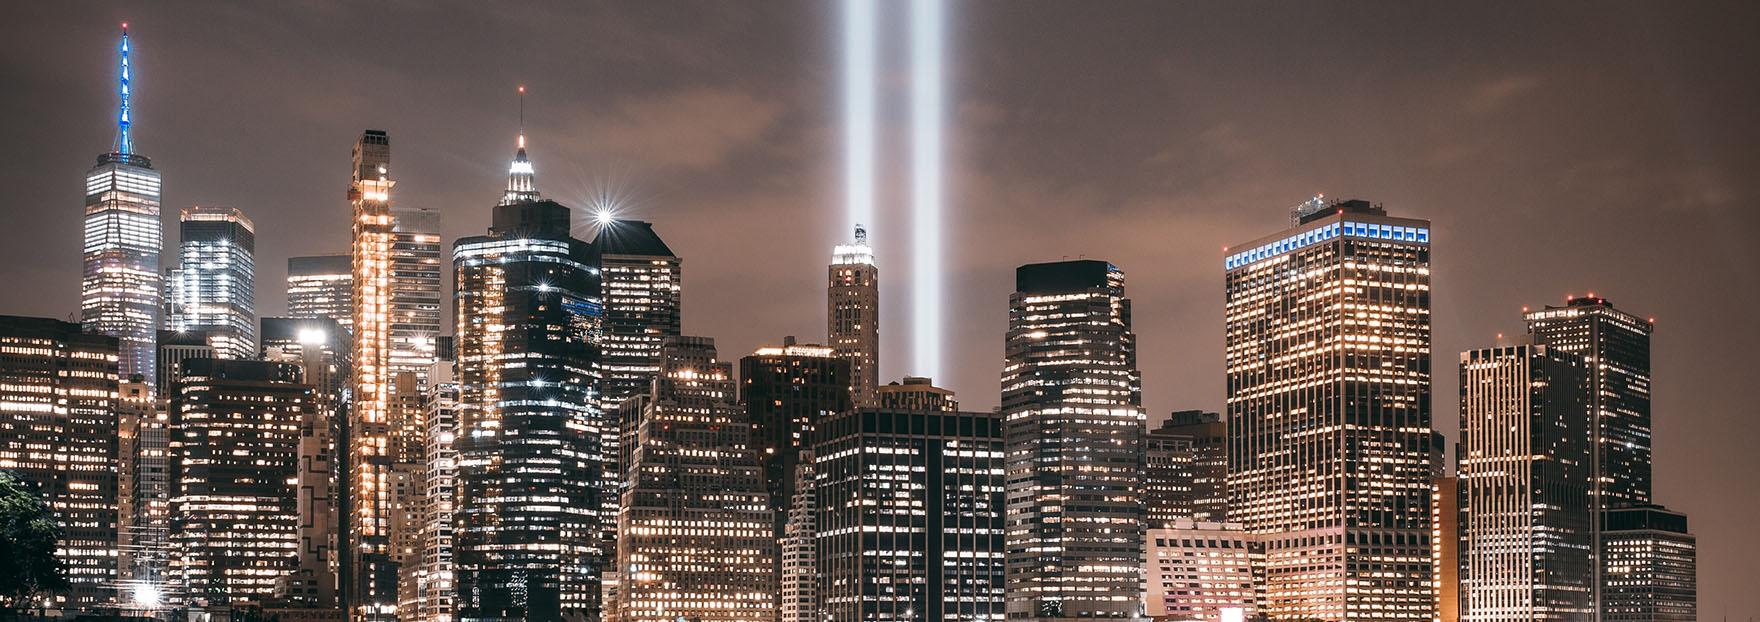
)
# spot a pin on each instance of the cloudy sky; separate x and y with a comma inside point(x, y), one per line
point(1558, 149)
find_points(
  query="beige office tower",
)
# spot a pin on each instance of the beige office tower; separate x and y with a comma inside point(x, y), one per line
point(435, 585)
point(852, 314)
point(695, 535)
point(1202, 571)
point(800, 559)
point(370, 583)
point(1328, 378)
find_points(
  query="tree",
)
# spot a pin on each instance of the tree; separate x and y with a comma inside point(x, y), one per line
point(28, 534)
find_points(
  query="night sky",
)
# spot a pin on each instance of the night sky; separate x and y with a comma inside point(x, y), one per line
point(1558, 150)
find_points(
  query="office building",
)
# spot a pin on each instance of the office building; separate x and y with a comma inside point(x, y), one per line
point(799, 550)
point(909, 525)
point(641, 278)
point(1615, 345)
point(1445, 546)
point(320, 347)
point(1071, 396)
point(1212, 572)
point(786, 390)
point(143, 495)
point(1650, 566)
point(120, 290)
point(212, 290)
point(435, 588)
point(369, 579)
point(174, 348)
point(1328, 383)
point(1186, 468)
point(529, 319)
point(321, 286)
point(852, 313)
point(696, 538)
point(58, 389)
point(1524, 486)
point(415, 292)
point(235, 434)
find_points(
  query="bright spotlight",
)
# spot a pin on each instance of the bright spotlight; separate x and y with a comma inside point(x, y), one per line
point(926, 113)
point(148, 596)
point(312, 336)
point(858, 111)
point(603, 216)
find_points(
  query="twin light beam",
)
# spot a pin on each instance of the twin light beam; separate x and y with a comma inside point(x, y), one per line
point(860, 42)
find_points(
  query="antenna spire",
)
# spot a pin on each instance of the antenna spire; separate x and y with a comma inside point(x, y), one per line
point(124, 144)
point(522, 182)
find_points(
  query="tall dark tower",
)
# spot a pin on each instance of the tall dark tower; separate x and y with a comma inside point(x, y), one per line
point(1072, 399)
point(528, 334)
point(1616, 345)
point(852, 314)
point(1328, 376)
point(121, 290)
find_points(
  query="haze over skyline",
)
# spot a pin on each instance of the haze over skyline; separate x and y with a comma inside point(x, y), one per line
point(1556, 150)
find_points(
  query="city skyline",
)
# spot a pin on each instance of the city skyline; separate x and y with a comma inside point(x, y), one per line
point(1178, 307)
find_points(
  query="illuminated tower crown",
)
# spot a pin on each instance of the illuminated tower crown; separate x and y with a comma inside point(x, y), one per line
point(522, 184)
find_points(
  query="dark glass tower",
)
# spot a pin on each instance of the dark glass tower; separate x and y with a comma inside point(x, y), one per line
point(911, 514)
point(1524, 486)
point(1185, 465)
point(529, 329)
point(1071, 396)
point(1327, 335)
point(1616, 347)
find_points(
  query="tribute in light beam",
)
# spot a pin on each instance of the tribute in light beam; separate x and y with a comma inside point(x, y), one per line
point(926, 105)
point(858, 111)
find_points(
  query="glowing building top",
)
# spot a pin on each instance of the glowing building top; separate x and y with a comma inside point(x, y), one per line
point(857, 252)
point(522, 182)
point(124, 144)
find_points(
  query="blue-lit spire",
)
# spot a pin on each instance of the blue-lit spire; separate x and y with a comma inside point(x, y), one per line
point(124, 145)
point(522, 184)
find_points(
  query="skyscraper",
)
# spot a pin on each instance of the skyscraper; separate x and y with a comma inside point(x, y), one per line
point(1524, 486)
point(530, 320)
point(1203, 474)
point(852, 314)
point(58, 390)
point(435, 591)
point(909, 525)
point(321, 286)
point(369, 578)
point(120, 292)
point(642, 281)
point(235, 433)
point(1616, 347)
point(320, 347)
point(1650, 566)
point(1167, 477)
point(695, 533)
point(1328, 375)
point(212, 291)
point(786, 390)
point(1071, 396)
point(415, 292)
point(143, 494)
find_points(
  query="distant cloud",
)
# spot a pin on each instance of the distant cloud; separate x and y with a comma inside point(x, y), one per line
point(1493, 96)
point(694, 128)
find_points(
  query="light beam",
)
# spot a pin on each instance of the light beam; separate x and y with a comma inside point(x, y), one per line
point(858, 111)
point(926, 191)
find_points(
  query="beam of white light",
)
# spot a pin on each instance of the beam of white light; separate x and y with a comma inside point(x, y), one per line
point(858, 112)
point(926, 117)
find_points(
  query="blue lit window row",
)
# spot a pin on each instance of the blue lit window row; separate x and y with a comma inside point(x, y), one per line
point(1328, 232)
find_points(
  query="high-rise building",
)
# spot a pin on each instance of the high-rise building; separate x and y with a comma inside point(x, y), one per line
point(786, 390)
point(320, 347)
point(435, 593)
point(1445, 546)
point(641, 278)
point(1193, 481)
point(1206, 571)
point(212, 291)
point(529, 324)
point(1616, 347)
point(909, 525)
point(58, 389)
point(1328, 375)
point(695, 534)
point(799, 574)
point(321, 286)
point(1524, 486)
point(369, 578)
point(852, 313)
point(235, 434)
point(1650, 566)
point(120, 291)
point(174, 348)
point(143, 495)
point(415, 292)
point(1071, 396)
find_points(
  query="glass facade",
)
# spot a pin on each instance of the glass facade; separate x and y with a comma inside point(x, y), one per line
point(1650, 568)
point(321, 286)
point(1327, 341)
point(212, 291)
point(121, 292)
point(1071, 398)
